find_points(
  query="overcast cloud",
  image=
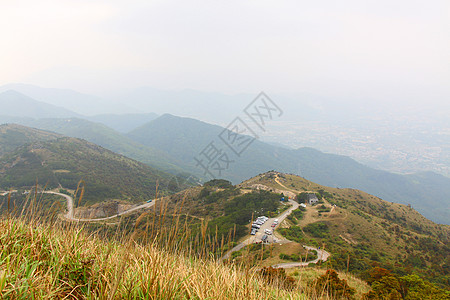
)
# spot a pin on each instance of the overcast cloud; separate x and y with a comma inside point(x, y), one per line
point(384, 50)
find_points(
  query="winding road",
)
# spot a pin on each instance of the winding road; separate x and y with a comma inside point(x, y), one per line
point(70, 211)
point(322, 255)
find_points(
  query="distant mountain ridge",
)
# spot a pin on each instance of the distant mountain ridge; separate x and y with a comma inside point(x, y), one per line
point(82, 104)
point(13, 103)
point(125, 122)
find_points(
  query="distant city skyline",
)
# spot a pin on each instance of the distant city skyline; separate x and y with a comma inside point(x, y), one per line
point(373, 51)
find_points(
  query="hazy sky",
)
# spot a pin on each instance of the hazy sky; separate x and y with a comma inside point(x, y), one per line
point(384, 49)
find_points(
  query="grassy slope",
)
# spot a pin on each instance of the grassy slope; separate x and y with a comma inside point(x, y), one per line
point(370, 230)
point(13, 136)
point(98, 134)
point(53, 262)
point(65, 161)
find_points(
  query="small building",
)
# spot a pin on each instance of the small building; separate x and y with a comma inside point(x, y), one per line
point(312, 199)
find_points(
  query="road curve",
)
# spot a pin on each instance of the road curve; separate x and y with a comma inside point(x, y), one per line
point(142, 206)
point(70, 207)
point(70, 210)
point(69, 199)
point(321, 255)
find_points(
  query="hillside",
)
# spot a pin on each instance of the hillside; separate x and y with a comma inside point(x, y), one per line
point(16, 104)
point(63, 162)
point(361, 232)
point(98, 134)
point(185, 138)
point(56, 261)
point(13, 136)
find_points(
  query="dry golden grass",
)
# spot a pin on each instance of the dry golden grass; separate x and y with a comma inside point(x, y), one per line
point(54, 262)
point(46, 258)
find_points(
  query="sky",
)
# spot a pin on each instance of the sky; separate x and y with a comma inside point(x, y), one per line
point(384, 50)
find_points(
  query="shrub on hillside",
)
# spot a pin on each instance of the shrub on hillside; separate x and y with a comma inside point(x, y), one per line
point(333, 286)
point(318, 229)
point(277, 277)
point(409, 287)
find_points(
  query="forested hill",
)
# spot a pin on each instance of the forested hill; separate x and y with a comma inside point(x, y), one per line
point(63, 162)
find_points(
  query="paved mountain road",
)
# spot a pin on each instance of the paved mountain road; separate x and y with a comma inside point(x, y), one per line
point(321, 255)
point(70, 210)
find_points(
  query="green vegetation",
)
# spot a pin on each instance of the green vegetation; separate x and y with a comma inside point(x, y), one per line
point(92, 132)
point(390, 286)
point(293, 233)
point(363, 231)
point(322, 208)
point(13, 136)
point(66, 161)
point(311, 255)
point(239, 211)
point(318, 230)
point(296, 215)
point(219, 183)
point(335, 287)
